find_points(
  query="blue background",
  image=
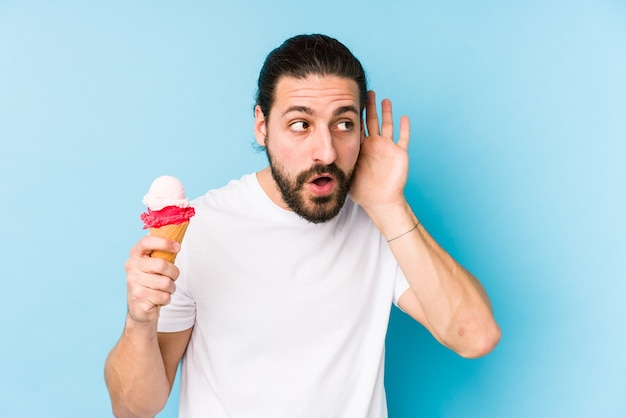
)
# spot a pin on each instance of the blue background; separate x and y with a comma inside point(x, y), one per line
point(517, 169)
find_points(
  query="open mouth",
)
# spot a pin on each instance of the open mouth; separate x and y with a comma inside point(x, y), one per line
point(322, 181)
point(322, 185)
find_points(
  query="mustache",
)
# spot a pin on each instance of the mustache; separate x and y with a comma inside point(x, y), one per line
point(317, 169)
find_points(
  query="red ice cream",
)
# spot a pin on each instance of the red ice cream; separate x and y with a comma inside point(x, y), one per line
point(170, 215)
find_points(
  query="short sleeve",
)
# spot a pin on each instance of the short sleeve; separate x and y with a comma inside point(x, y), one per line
point(400, 287)
point(180, 314)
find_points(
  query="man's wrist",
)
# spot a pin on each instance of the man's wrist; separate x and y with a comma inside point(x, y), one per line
point(146, 329)
point(405, 233)
point(393, 220)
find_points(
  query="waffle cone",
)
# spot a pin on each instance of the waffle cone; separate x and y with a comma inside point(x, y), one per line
point(173, 232)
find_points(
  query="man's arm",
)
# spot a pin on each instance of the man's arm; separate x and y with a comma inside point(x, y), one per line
point(443, 296)
point(140, 369)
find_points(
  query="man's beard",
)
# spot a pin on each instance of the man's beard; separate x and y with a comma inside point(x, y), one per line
point(316, 209)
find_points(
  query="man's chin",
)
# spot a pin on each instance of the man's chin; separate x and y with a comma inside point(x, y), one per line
point(320, 209)
point(323, 200)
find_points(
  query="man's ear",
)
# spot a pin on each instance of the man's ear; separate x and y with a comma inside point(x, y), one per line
point(260, 126)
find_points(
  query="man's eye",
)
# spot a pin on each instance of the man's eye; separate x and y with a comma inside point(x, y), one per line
point(299, 126)
point(345, 126)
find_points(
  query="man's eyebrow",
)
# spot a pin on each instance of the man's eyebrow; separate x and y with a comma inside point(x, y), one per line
point(301, 109)
point(345, 109)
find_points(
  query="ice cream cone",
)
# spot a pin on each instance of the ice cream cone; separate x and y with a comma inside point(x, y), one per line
point(174, 232)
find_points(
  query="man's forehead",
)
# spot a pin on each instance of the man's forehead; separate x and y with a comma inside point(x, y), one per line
point(316, 87)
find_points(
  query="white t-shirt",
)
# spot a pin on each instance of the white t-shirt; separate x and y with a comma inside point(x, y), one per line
point(289, 317)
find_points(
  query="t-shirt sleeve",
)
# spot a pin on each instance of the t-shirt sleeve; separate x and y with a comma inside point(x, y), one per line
point(180, 314)
point(400, 287)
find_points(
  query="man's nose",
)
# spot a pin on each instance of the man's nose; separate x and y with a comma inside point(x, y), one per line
point(324, 148)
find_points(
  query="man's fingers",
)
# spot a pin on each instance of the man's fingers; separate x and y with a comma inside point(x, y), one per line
point(373, 128)
point(371, 117)
point(150, 243)
point(387, 125)
point(144, 297)
point(144, 302)
point(158, 283)
point(405, 133)
point(150, 284)
point(150, 281)
point(137, 267)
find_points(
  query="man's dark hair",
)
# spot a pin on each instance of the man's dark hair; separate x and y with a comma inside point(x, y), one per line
point(303, 55)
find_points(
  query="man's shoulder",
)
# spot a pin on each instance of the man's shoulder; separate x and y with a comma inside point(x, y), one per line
point(235, 187)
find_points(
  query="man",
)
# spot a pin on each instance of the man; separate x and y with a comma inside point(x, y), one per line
point(281, 304)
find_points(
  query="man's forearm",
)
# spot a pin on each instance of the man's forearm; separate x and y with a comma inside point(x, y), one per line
point(454, 304)
point(135, 373)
